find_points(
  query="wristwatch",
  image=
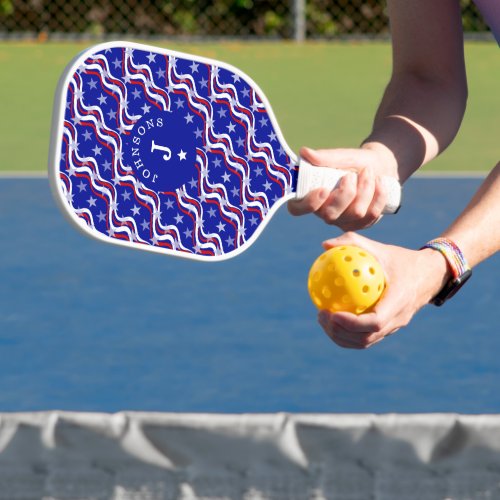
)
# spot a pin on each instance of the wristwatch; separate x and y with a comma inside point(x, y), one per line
point(460, 270)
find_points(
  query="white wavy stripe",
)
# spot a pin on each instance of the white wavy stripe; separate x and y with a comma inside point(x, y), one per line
point(166, 228)
point(251, 198)
point(202, 164)
point(100, 128)
point(147, 81)
point(268, 153)
point(111, 194)
point(91, 168)
point(133, 235)
point(91, 172)
point(106, 79)
point(206, 110)
point(82, 159)
point(63, 187)
point(105, 134)
point(148, 85)
point(237, 218)
point(175, 241)
point(204, 107)
point(229, 152)
point(106, 75)
point(138, 189)
point(78, 103)
point(170, 239)
point(244, 174)
point(172, 66)
point(80, 210)
point(146, 199)
point(152, 201)
point(264, 154)
point(88, 212)
point(223, 201)
point(142, 192)
point(123, 112)
point(286, 179)
point(193, 208)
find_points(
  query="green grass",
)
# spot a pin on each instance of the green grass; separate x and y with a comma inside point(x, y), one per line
point(323, 94)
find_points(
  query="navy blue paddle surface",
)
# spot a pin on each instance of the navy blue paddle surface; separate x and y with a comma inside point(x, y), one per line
point(172, 153)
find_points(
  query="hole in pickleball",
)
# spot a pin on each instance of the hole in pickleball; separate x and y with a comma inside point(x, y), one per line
point(339, 281)
point(327, 293)
point(362, 254)
point(348, 258)
point(356, 273)
point(317, 301)
point(372, 270)
point(366, 289)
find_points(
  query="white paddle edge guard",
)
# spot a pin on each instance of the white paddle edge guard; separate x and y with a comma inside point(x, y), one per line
point(55, 150)
point(313, 177)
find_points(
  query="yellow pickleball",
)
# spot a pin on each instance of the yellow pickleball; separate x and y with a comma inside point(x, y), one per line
point(346, 278)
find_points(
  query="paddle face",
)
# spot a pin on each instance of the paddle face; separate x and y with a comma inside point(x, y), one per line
point(166, 152)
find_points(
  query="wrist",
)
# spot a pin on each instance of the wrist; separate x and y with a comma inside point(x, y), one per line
point(388, 165)
point(437, 274)
point(457, 265)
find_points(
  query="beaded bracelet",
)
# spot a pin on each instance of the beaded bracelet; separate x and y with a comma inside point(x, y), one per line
point(459, 267)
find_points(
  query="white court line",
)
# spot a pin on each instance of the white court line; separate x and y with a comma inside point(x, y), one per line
point(23, 175)
point(453, 174)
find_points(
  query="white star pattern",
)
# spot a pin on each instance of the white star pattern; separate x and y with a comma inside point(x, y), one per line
point(244, 146)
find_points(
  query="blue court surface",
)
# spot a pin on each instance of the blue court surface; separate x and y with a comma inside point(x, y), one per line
point(91, 327)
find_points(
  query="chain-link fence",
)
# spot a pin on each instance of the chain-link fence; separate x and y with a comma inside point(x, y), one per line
point(206, 18)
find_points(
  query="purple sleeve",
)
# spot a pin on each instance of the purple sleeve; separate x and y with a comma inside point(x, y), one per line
point(490, 9)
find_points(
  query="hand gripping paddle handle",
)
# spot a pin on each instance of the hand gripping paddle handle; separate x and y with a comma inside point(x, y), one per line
point(312, 177)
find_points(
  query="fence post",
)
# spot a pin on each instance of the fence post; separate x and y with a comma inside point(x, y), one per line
point(299, 20)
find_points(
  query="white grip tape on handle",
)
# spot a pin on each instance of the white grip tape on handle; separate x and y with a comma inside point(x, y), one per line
point(312, 177)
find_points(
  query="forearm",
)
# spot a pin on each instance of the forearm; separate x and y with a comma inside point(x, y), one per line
point(424, 103)
point(416, 121)
point(477, 230)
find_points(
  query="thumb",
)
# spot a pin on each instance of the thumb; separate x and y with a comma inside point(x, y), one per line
point(348, 238)
point(353, 159)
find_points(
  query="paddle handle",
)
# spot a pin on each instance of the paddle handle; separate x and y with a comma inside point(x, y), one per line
point(312, 177)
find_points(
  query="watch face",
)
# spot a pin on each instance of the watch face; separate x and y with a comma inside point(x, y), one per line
point(451, 288)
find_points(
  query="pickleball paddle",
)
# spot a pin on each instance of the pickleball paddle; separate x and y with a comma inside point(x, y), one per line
point(173, 153)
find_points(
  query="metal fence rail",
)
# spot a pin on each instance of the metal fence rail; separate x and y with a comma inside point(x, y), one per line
point(286, 19)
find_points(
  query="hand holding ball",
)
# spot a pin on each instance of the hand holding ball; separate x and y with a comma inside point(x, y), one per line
point(346, 278)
